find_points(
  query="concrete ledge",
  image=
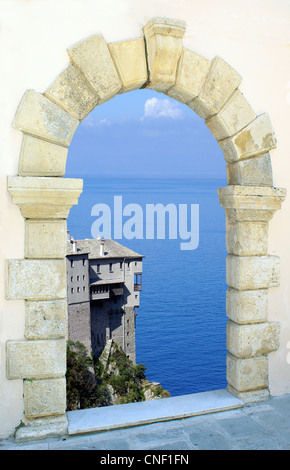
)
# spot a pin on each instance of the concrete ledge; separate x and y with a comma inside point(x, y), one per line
point(136, 414)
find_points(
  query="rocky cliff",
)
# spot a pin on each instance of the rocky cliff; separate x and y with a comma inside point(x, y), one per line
point(110, 380)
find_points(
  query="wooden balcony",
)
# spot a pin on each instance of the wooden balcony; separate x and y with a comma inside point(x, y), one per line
point(106, 288)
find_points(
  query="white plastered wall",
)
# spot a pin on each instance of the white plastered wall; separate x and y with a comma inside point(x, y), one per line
point(253, 37)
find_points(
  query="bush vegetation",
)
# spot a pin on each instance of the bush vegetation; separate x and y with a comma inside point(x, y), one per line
point(84, 390)
point(90, 384)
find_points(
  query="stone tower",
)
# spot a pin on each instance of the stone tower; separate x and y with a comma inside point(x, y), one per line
point(104, 280)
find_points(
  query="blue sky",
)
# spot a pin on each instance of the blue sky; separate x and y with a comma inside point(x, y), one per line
point(144, 133)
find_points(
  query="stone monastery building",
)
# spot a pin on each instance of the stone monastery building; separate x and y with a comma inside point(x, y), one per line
point(104, 280)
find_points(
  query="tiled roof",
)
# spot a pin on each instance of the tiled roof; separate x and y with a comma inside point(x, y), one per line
point(112, 249)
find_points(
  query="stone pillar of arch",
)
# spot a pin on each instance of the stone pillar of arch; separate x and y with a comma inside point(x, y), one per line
point(96, 73)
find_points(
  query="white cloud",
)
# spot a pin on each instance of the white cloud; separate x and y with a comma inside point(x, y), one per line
point(104, 122)
point(89, 122)
point(157, 108)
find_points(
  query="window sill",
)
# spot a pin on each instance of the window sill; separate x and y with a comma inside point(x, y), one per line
point(136, 414)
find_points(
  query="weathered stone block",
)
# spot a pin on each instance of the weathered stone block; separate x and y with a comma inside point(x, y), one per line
point(45, 238)
point(36, 359)
point(70, 91)
point(42, 428)
point(40, 117)
point(252, 272)
point(46, 320)
point(44, 397)
point(248, 203)
point(259, 339)
point(255, 171)
point(92, 58)
point(191, 74)
point(40, 197)
point(251, 396)
point(130, 60)
point(247, 238)
point(222, 80)
point(246, 307)
point(234, 116)
point(41, 158)
point(164, 47)
point(33, 279)
point(258, 137)
point(247, 374)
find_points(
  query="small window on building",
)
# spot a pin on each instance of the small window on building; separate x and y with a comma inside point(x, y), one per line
point(111, 267)
point(128, 265)
point(84, 277)
point(121, 266)
point(72, 290)
point(84, 262)
point(137, 281)
point(71, 279)
point(78, 289)
point(71, 263)
point(78, 278)
point(98, 268)
point(84, 288)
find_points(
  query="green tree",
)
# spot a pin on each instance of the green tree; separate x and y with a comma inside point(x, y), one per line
point(88, 379)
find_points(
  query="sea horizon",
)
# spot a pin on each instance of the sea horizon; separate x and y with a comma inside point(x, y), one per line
point(181, 323)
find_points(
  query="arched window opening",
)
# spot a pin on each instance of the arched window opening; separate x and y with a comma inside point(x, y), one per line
point(147, 149)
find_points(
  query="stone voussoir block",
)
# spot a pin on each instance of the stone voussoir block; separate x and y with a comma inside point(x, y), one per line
point(40, 117)
point(233, 117)
point(163, 38)
point(71, 92)
point(247, 374)
point(252, 272)
point(255, 171)
point(222, 80)
point(191, 74)
point(259, 339)
point(45, 238)
point(33, 279)
point(247, 307)
point(41, 158)
point(130, 61)
point(256, 138)
point(45, 319)
point(92, 58)
point(38, 359)
point(46, 397)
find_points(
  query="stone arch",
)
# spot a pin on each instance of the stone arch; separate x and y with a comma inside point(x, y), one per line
point(98, 71)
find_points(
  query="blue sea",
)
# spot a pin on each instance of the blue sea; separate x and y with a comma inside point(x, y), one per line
point(181, 322)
